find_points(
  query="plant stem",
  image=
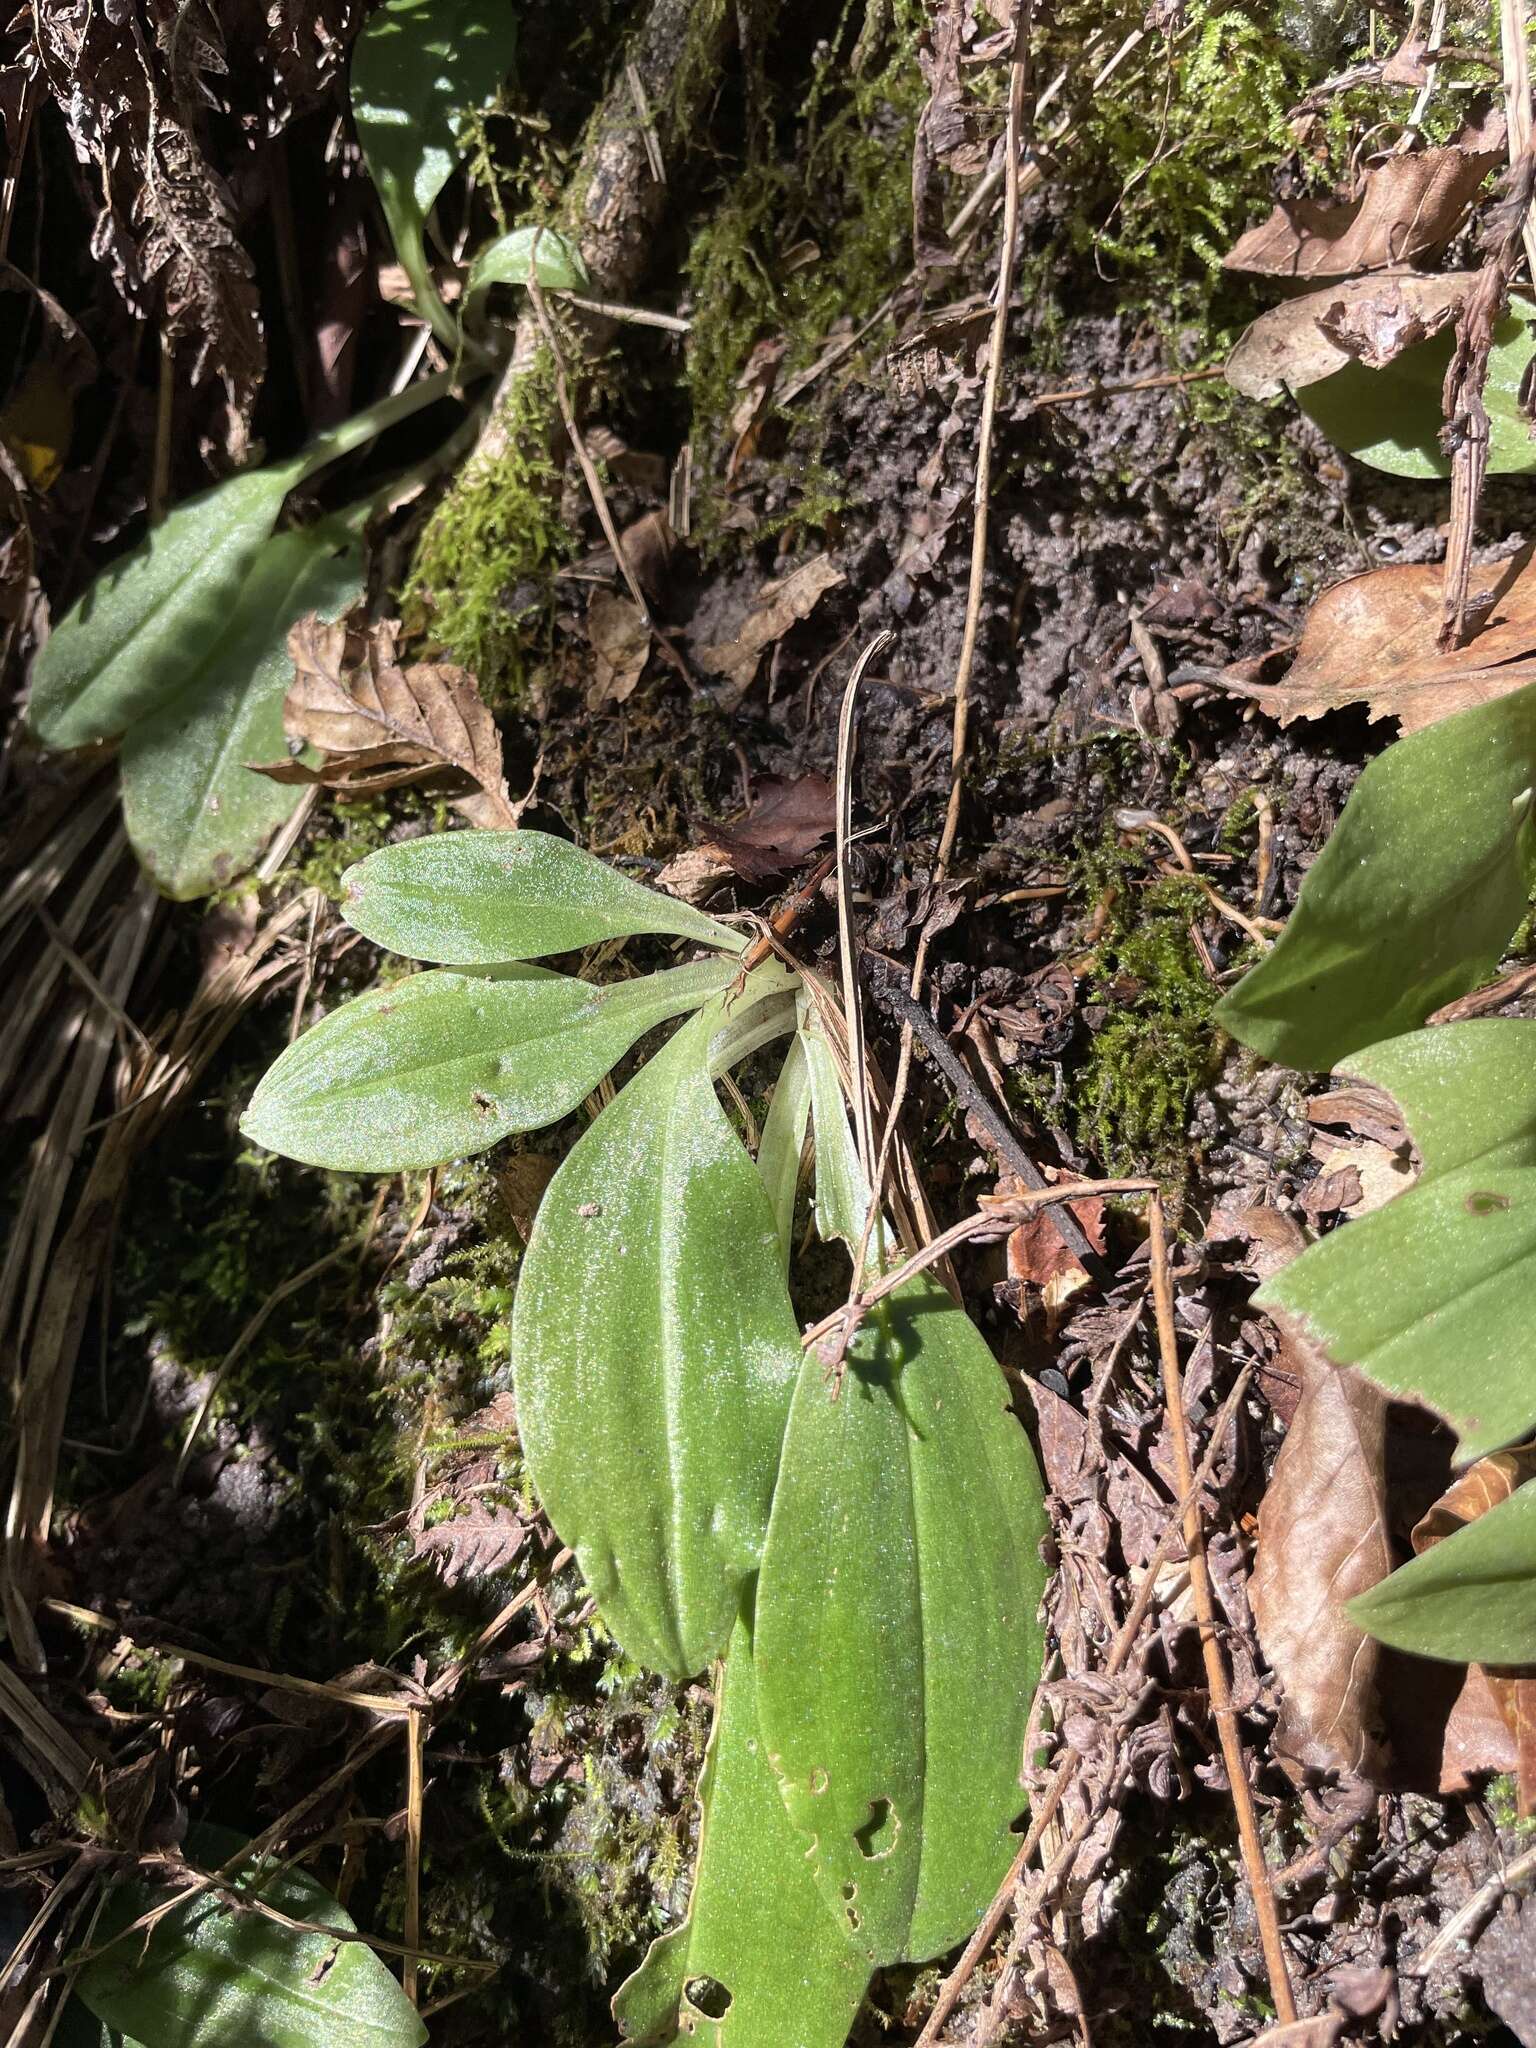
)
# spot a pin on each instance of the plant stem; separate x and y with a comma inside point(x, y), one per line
point(373, 420)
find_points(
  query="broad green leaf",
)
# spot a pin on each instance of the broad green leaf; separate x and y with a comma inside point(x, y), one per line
point(1391, 418)
point(137, 637)
point(210, 1977)
point(145, 627)
point(1428, 1295)
point(1412, 900)
point(442, 1065)
point(418, 68)
point(897, 1643)
point(757, 1933)
point(472, 899)
point(195, 813)
point(557, 263)
point(783, 1143)
point(655, 1348)
point(1470, 1599)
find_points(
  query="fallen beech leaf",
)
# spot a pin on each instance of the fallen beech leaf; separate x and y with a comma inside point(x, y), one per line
point(1481, 1487)
point(1407, 211)
point(1369, 320)
point(1372, 640)
point(1323, 1536)
point(779, 605)
point(621, 645)
point(789, 820)
point(380, 725)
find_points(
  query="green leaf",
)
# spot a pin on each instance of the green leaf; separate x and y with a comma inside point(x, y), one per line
point(1391, 418)
point(443, 1065)
point(557, 263)
point(145, 627)
point(783, 1143)
point(1428, 1295)
point(195, 813)
point(1412, 900)
point(472, 899)
point(418, 68)
point(757, 1932)
point(1471, 1599)
point(137, 637)
point(897, 1641)
point(655, 1348)
point(209, 1977)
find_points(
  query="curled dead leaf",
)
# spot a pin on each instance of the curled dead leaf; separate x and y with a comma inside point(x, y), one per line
point(379, 725)
point(779, 605)
point(1368, 320)
point(621, 646)
point(1323, 1537)
point(1373, 640)
point(1406, 211)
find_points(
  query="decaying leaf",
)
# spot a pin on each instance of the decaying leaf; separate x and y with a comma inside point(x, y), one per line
point(789, 819)
point(779, 605)
point(1038, 1255)
point(1481, 1487)
point(379, 725)
point(1368, 320)
point(1323, 1536)
point(1408, 209)
point(1372, 640)
point(621, 644)
point(461, 1526)
point(949, 334)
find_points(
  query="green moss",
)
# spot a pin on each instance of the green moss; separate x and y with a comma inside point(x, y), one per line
point(1154, 1046)
point(1504, 1806)
point(842, 182)
point(482, 584)
point(1178, 147)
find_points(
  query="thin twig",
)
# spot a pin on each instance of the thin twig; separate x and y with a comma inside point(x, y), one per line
point(1018, 79)
point(895, 998)
point(998, 1219)
point(1210, 1641)
point(415, 1739)
point(1119, 1655)
point(632, 316)
point(1471, 1915)
point(594, 482)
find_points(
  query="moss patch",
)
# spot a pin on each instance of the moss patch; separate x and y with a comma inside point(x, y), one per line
point(482, 584)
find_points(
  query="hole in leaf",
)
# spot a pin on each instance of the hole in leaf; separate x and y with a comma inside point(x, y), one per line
point(818, 1781)
point(707, 1996)
point(878, 1835)
point(1484, 1202)
point(850, 1890)
point(854, 1921)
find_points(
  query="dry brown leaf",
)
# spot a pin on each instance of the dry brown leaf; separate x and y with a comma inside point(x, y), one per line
point(380, 725)
point(1367, 320)
point(1406, 212)
point(1372, 640)
point(621, 646)
point(1367, 1175)
point(789, 819)
point(1481, 1487)
point(1323, 1537)
point(1039, 1256)
point(779, 605)
point(461, 1526)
